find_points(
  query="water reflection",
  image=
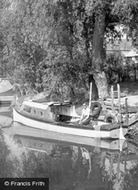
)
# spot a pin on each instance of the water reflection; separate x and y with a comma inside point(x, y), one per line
point(70, 162)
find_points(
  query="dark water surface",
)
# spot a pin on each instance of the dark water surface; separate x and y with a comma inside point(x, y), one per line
point(70, 163)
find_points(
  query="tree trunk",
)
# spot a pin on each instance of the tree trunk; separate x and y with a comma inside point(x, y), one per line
point(98, 55)
point(102, 85)
point(94, 88)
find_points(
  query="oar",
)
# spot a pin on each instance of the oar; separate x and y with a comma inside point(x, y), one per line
point(121, 135)
point(119, 101)
point(90, 98)
point(127, 115)
point(112, 98)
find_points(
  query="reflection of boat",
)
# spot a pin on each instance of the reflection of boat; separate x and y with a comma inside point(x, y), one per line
point(47, 142)
point(35, 144)
point(113, 156)
point(57, 117)
point(28, 135)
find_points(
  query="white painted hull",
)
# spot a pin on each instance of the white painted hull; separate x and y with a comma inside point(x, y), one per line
point(114, 134)
point(28, 132)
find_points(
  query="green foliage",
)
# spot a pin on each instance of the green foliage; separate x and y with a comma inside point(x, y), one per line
point(127, 12)
point(49, 44)
point(114, 67)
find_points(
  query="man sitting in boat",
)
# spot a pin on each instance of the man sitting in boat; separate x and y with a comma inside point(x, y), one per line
point(85, 116)
point(90, 113)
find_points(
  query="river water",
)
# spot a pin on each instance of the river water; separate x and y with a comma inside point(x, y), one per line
point(70, 163)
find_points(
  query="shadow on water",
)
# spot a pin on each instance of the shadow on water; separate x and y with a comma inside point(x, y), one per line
point(68, 162)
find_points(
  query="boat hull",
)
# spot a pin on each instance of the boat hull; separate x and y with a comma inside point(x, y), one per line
point(20, 130)
point(71, 130)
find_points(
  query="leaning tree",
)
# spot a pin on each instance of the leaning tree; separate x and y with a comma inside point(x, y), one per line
point(71, 35)
point(106, 16)
point(93, 24)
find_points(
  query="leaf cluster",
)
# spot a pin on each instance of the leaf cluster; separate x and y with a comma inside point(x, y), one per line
point(48, 44)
